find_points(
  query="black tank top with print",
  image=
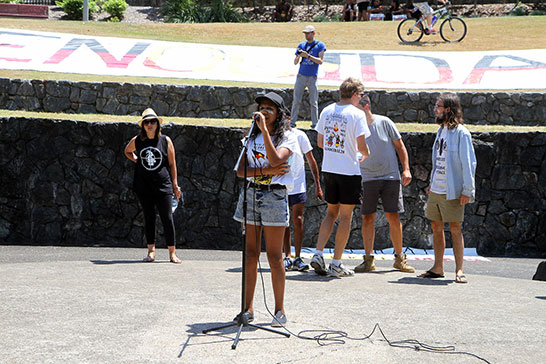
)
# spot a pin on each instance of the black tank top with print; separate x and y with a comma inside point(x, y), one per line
point(152, 175)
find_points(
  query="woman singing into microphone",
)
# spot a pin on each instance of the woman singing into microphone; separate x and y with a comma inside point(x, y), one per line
point(269, 147)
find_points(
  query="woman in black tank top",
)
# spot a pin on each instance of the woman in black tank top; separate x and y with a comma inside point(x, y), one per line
point(155, 180)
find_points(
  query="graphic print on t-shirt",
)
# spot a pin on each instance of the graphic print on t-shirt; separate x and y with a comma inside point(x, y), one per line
point(439, 180)
point(151, 158)
point(335, 129)
point(259, 160)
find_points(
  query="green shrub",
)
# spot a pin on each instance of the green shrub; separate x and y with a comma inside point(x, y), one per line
point(189, 11)
point(519, 11)
point(115, 8)
point(221, 11)
point(538, 12)
point(321, 18)
point(74, 8)
point(336, 17)
point(12, 1)
point(180, 11)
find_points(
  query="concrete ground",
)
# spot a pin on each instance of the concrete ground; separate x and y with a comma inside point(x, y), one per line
point(103, 305)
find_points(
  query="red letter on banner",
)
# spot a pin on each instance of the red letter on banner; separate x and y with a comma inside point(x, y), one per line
point(96, 47)
point(12, 59)
point(367, 61)
point(484, 65)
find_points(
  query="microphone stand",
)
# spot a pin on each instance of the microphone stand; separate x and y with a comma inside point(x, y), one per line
point(242, 320)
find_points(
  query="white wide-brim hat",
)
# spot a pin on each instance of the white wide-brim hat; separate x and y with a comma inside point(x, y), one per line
point(149, 114)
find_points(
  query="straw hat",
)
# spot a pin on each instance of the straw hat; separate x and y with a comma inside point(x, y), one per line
point(149, 114)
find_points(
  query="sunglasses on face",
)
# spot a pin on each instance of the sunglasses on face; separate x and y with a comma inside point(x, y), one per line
point(266, 110)
point(149, 121)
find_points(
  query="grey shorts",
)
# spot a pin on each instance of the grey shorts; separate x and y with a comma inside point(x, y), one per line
point(424, 8)
point(390, 192)
point(264, 208)
point(440, 209)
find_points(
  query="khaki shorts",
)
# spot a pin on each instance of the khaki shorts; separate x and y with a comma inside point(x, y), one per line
point(440, 209)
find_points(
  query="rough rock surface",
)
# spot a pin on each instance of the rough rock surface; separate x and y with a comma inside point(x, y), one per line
point(69, 183)
point(499, 108)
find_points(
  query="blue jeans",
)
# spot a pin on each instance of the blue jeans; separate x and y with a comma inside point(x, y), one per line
point(301, 83)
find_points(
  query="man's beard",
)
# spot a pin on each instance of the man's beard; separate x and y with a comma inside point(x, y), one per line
point(441, 118)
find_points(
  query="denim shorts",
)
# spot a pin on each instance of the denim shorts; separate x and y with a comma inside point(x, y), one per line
point(264, 207)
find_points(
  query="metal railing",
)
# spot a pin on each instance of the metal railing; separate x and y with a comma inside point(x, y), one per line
point(39, 2)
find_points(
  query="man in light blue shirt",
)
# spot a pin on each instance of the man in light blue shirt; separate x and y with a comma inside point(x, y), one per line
point(452, 183)
point(310, 55)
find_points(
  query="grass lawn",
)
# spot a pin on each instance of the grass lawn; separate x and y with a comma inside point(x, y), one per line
point(243, 123)
point(500, 33)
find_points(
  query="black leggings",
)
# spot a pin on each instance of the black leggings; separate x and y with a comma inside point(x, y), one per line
point(164, 207)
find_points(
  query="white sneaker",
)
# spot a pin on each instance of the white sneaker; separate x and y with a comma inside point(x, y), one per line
point(341, 271)
point(279, 320)
point(318, 265)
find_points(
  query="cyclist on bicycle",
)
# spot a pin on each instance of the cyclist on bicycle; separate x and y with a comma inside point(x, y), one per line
point(426, 10)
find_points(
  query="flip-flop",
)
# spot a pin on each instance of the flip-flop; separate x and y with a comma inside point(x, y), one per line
point(460, 278)
point(176, 260)
point(430, 274)
point(148, 259)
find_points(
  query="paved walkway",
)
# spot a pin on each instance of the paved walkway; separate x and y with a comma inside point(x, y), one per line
point(102, 305)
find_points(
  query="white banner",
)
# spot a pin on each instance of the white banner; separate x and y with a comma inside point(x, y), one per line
point(70, 53)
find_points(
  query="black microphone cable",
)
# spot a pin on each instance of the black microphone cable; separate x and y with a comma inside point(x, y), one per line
point(339, 337)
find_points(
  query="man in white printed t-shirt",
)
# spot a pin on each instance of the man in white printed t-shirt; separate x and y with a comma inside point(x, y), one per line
point(342, 132)
point(296, 199)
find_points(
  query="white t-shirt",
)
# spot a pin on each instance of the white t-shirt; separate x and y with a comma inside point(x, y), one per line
point(257, 157)
point(340, 125)
point(297, 165)
point(439, 179)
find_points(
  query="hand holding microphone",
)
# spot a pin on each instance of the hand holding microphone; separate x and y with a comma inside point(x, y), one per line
point(259, 120)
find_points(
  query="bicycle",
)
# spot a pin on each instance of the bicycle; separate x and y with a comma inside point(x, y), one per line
point(452, 29)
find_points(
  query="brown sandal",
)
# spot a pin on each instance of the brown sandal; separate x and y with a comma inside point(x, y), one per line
point(460, 278)
point(430, 274)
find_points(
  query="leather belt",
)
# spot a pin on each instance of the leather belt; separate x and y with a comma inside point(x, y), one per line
point(266, 187)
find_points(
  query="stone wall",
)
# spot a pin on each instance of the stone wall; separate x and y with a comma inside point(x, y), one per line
point(272, 3)
point(69, 183)
point(237, 102)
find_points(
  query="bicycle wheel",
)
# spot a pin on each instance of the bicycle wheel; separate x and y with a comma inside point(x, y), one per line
point(453, 29)
point(409, 31)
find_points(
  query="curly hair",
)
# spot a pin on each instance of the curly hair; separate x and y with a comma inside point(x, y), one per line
point(455, 115)
point(282, 124)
